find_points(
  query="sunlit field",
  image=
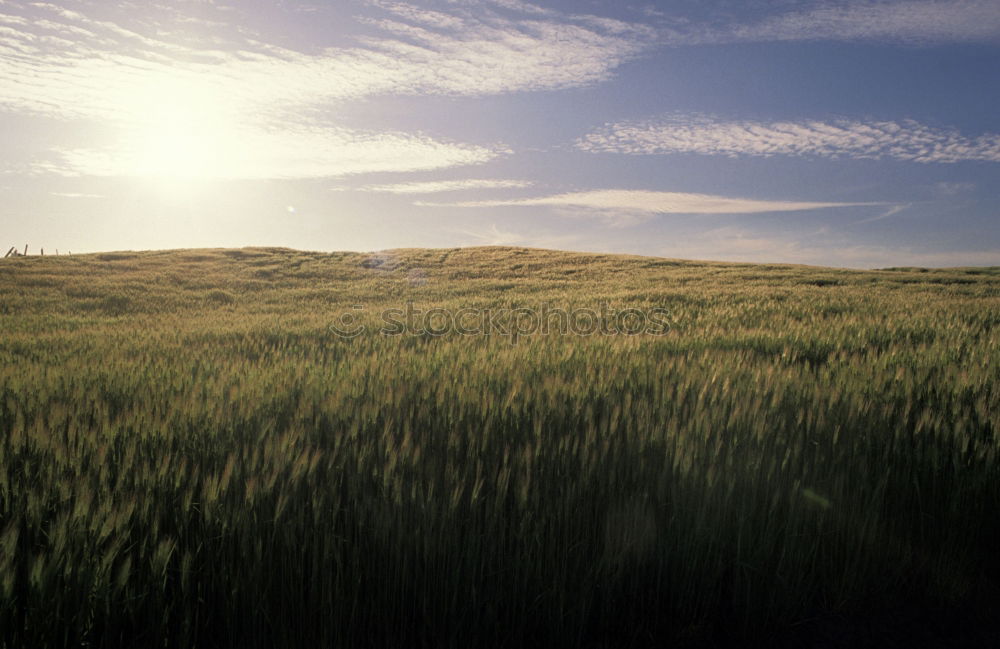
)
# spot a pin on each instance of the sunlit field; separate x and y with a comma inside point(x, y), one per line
point(192, 456)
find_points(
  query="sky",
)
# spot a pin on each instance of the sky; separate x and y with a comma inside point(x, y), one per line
point(848, 133)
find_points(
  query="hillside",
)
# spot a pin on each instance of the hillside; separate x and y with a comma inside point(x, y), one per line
point(272, 280)
point(810, 311)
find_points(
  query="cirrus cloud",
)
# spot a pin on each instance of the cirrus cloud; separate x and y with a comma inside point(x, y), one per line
point(439, 186)
point(911, 21)
point(298, 153)
point(256, 109)
point(906, 140)
point(65, 63)
point(652, 202)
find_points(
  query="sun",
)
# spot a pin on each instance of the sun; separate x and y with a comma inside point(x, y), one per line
point(181, 131)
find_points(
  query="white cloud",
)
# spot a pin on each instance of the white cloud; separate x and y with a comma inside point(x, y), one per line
point(892, 211)
point(437, 186)
point(276, 104)
point(651, 202)
point(906, 140)
point(953, 188)
point(912, 21)
point(304, 153)
point(522, 7)
point(76, 195)
point(469, 52)
point(300, 152)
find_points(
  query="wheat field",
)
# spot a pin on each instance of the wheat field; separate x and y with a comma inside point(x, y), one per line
point(192, 456)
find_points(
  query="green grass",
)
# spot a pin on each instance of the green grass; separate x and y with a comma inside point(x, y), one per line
point(189, 456)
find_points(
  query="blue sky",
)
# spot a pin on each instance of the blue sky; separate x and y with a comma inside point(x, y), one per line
point(852, 133)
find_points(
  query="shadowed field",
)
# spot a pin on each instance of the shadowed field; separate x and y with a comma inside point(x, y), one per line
point(191, 455)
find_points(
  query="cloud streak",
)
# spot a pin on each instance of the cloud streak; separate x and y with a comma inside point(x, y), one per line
point(440, 186)
point(76, 195)
point(652, 202)
point(293, 153)
point(905, 140)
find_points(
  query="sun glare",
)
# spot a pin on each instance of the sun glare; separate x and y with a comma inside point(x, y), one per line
point(181, 132)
